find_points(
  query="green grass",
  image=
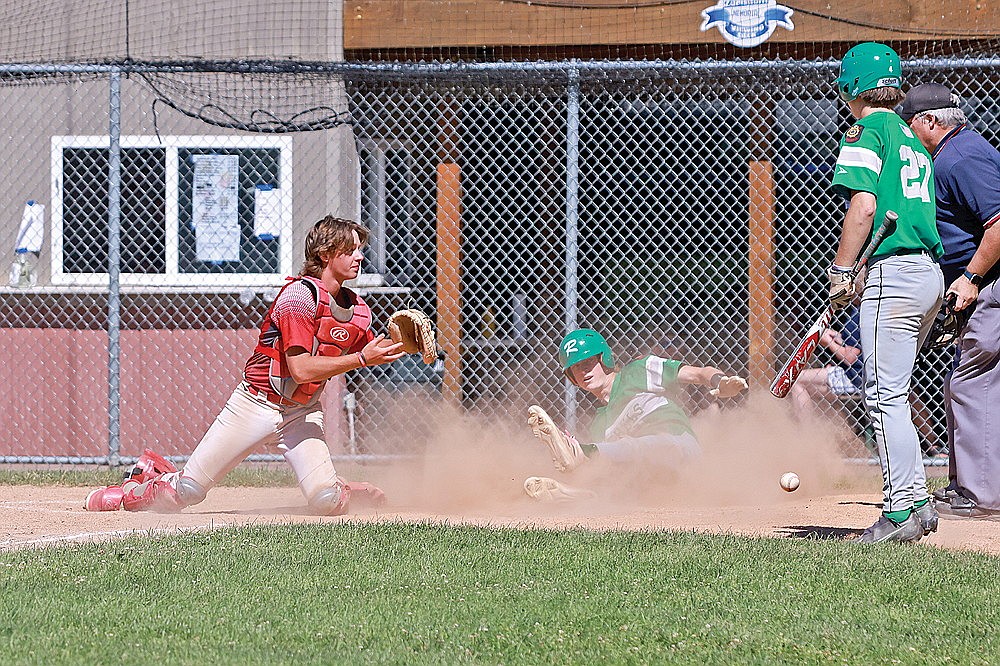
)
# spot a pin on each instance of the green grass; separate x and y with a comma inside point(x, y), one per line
point(244, 476)
point(431, 594)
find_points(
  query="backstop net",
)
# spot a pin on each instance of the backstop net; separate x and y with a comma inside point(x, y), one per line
point(658, 171)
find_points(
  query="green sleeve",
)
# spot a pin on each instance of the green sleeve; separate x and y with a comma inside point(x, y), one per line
point(859, 163)
point(652, 374)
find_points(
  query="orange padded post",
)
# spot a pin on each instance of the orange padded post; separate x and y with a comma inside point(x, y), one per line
point(449, 277)
point(761, 278)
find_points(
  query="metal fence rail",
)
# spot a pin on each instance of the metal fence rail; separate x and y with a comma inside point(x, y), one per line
point(682, 208)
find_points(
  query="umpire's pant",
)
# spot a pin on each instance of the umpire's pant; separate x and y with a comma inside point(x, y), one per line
point(974, 402)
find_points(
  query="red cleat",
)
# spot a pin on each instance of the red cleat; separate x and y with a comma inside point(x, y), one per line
point(154, 495)
point(367, 494)
point(150, 465)
point(104, 499)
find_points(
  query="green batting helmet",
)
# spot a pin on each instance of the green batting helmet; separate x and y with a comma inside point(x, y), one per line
point(868, 66)
point(580, 345)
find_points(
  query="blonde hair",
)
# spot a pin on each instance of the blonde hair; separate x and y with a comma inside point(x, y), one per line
point(331, 234)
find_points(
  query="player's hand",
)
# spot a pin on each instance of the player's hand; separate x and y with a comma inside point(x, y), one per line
point(381, 351)
point(841, 287)
point(831, 339)
point(849, 355)
point(727, 386)
point(965, 293)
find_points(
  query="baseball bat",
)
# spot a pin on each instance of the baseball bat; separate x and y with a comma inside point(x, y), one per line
point(799, 359)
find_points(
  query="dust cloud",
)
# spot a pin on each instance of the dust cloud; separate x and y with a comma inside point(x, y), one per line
point(474, 465)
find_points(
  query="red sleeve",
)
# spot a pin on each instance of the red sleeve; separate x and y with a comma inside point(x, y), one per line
point(294, 314)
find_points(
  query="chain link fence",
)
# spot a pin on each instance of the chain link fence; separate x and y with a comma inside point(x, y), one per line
point(680, 208)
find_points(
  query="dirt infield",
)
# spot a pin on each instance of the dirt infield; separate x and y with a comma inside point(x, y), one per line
point(34, 517)
point(475, 471)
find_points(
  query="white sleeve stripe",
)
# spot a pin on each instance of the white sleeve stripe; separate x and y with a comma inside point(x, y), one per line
point(654, 372)
point(860, 157)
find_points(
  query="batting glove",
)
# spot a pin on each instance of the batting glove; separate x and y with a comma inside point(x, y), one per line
point(841, 286)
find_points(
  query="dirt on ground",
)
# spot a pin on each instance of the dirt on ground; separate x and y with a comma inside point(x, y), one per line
point(474, 474)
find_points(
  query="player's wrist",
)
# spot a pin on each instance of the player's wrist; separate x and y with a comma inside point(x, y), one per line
point(362, 360)
point(716, 380)
point(974, 278)
point(834, 268)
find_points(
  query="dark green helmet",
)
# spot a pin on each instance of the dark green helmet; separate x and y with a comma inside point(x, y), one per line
point(580, 345)
point(866, 67)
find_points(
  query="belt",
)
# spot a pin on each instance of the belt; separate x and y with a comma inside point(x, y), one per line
point(901, 252)
point(269, 396)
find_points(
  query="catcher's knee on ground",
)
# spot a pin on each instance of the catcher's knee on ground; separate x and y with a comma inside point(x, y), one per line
point(190, 491)
point(332, 501)
point(318, 480)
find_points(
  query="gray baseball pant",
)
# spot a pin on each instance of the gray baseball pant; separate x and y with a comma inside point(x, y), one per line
point(973, 395)
point(651, 449)
point(250, 424)
point(901, 297)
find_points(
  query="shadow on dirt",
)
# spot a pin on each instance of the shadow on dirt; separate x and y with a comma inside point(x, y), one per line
point(819, 532)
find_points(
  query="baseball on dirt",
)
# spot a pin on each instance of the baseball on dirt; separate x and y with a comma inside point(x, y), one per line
point(789, 481)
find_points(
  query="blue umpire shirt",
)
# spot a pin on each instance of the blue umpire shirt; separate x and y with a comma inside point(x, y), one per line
point(967, 181)
point(851, 333)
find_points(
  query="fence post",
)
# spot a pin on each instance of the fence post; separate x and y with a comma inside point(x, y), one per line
point(449, 277)
point(114, 267)
point(572, 222)
point(760, 251)
point(761, 278)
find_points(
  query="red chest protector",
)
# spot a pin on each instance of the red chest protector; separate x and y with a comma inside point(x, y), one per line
point(339, 331)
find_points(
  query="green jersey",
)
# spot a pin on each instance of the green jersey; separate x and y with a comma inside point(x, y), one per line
point(881, 155)
point(639, 405)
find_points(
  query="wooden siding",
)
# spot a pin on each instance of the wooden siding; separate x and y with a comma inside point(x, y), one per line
point(395, 24)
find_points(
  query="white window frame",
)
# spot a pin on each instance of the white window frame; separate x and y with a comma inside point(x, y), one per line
point(172, 277)
point(375, 162)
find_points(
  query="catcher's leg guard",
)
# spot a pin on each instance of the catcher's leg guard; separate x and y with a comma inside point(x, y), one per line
point(149, 465)
point(154, 495)
point(105, 499)
point(565, 450)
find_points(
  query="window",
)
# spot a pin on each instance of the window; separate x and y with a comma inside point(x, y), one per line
point(387, 209)
point(195, 211)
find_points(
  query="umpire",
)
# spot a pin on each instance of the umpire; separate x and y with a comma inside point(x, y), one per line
point(967, 183)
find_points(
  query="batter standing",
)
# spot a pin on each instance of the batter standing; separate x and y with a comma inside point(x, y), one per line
point(882, 166)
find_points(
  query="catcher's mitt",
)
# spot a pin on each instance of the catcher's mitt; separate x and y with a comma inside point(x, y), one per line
point(414, 329)
point(947, 325)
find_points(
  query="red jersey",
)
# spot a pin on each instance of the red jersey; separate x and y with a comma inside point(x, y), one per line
point(304, 315)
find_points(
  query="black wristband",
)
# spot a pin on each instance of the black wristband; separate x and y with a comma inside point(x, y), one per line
point(716, 380)
point(975, 279)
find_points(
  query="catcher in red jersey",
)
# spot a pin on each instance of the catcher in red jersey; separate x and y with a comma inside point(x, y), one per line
point(315, 329)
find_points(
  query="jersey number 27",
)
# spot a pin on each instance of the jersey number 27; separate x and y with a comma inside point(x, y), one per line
point(915, 173)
